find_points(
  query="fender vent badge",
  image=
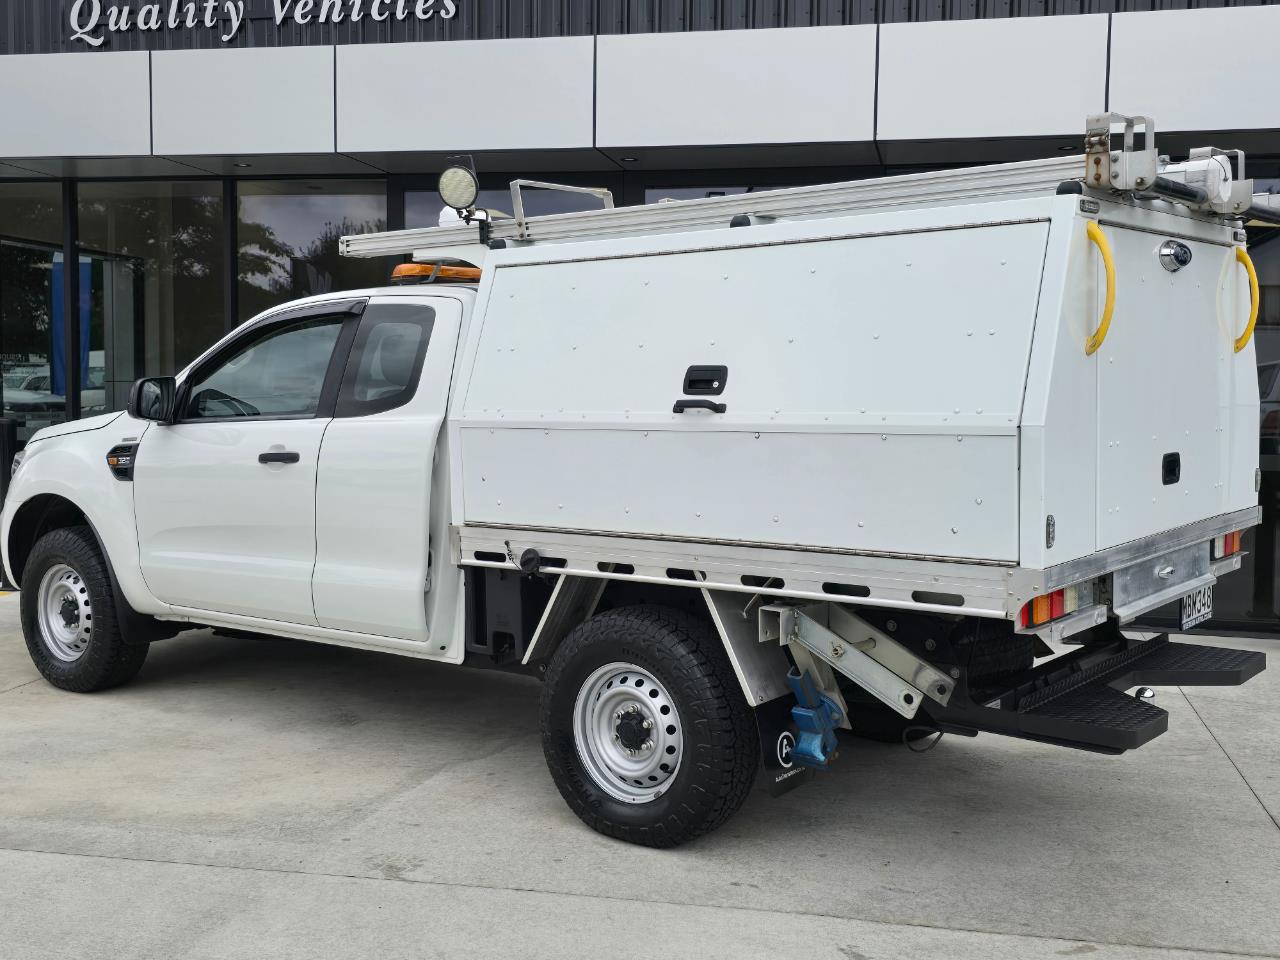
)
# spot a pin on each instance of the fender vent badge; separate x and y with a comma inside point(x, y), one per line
point(120, 460)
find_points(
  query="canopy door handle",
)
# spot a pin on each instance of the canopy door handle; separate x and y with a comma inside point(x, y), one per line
point(699, 403)
point(1109, 306)
point(1242, 257)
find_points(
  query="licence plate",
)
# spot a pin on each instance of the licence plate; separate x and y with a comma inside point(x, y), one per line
point(1197, 607)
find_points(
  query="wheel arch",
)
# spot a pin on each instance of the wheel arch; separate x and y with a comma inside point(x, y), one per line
point(760, 668)
point(37, 516)
point(45, 512)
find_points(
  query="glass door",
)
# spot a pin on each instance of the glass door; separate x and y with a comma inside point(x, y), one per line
point(113, 333)
point(32, 376)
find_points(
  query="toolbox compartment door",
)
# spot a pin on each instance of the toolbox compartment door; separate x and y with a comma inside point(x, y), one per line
point(1177, 406)
point(872, 388)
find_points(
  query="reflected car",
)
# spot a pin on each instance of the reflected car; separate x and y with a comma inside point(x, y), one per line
point(32, 394)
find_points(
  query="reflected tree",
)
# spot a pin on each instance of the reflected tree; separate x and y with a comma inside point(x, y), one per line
point(285, 273)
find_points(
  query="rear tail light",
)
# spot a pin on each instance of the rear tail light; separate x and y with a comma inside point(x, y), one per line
point(1226, 545)
point(1051, 606)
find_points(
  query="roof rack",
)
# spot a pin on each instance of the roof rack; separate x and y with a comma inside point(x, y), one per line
point(1120, 157)
point(971, 184)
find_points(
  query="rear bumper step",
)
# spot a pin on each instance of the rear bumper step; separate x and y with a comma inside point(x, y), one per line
point(1078, 700)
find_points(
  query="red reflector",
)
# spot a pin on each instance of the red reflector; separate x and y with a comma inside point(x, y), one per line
point(1043, 609)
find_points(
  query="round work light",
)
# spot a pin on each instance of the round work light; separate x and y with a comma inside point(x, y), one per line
point(458, 188)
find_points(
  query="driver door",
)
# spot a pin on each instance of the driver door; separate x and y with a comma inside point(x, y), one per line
point(225, 497)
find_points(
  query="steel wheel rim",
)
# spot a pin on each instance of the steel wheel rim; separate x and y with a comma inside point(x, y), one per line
point(613, 705)
point(64, 612)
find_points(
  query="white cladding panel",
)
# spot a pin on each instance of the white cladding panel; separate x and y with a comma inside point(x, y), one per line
point(883, 374)
point(1161, 66)
point(1059, 467)
point(74, 105)
point(1019, 77)
point(230, 101)
point(846, 490)
point(723, 87)
point(512, 94)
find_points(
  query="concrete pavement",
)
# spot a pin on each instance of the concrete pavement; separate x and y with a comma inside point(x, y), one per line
point(262, 799)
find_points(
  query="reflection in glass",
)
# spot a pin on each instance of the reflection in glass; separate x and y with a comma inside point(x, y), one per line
point(151, 400)
point(31, 305)
point(1253, 595)
point(288, 239)
point(152, 261)
point(279, 375)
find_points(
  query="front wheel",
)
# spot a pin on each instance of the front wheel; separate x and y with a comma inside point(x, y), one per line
point(69, 615)
point(645, 729)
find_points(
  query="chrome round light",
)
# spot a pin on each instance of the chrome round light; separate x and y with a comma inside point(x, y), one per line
point(458, 188)
point(1174, 255)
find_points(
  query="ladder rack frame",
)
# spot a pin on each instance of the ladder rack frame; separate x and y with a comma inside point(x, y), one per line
point(934, 188)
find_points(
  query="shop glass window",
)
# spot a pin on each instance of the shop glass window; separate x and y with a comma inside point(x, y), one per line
point(152, 262)
point(32, 370)
point(288, 232)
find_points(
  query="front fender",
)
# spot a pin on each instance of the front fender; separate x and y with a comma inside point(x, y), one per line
point(73, 466)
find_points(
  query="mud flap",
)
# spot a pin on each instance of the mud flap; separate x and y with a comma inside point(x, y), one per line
point(778, 732)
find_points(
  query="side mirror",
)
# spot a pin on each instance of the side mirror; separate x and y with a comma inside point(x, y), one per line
point(153, 399)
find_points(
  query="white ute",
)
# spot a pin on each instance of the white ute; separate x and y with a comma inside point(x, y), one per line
point(727, 475)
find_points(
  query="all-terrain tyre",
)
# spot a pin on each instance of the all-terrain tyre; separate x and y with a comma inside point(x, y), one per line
point(645, 728)
point(69, 615)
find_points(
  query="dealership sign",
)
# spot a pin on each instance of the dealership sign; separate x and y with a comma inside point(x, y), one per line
point(91, 21)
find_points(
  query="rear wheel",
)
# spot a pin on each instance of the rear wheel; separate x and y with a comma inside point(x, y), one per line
point(645, 729)
point(69, 616)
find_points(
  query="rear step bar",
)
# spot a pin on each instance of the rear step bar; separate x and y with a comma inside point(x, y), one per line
point(1078, 700)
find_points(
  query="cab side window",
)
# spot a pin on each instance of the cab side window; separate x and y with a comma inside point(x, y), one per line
point(280, 374)
point(386, 360)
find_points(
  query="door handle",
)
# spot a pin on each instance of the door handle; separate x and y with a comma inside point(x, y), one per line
point(701, 403)
point(279, 456)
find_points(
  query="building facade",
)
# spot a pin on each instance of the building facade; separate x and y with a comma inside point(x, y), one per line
point(196, 160)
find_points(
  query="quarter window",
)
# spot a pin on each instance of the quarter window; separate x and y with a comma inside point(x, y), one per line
point(387, 358)
point(280, 374)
